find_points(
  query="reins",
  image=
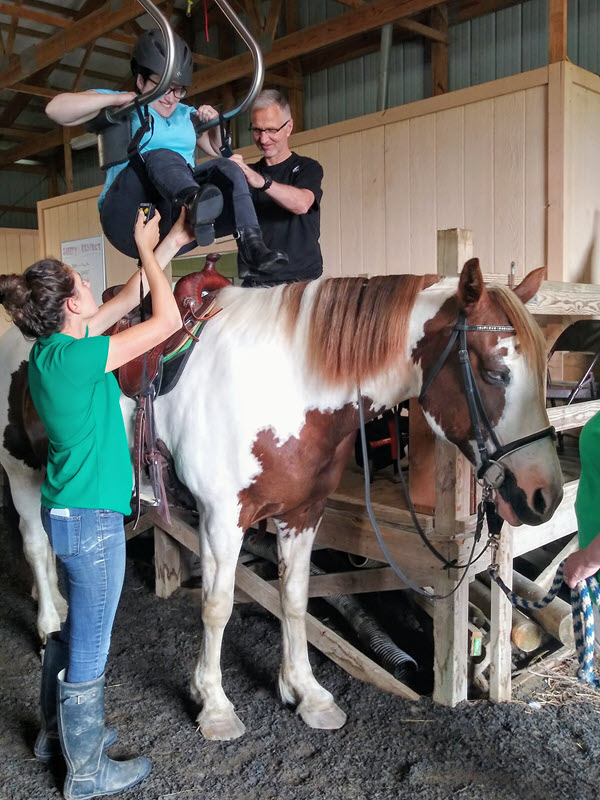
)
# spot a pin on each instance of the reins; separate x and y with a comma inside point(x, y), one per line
point(491, 472)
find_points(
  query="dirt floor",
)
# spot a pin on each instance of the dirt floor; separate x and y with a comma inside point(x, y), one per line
point(544, 745)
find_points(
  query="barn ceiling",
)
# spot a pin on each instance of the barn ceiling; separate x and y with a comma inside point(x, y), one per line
point(48, 47)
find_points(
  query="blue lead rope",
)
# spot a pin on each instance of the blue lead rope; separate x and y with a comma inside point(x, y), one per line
point(583, 617)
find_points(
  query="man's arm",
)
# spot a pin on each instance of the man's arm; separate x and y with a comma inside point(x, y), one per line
point(292, 198)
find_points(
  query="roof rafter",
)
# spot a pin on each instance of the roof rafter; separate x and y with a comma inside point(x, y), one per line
point(109, 16)
point(372, 15)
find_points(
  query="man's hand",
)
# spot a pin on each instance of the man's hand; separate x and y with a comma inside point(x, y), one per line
point(255, 179)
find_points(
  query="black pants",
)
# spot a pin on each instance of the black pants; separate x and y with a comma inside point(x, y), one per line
point(169, 177)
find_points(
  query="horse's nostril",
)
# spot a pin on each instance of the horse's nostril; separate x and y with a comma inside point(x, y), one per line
point(539, 501)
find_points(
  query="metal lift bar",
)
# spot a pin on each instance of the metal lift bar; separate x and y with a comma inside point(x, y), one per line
point(112, 115)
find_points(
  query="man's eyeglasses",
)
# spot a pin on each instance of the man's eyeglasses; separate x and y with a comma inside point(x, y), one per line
point(268, 131)
point(179, 92)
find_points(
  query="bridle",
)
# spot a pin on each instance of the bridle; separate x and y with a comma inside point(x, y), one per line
point(490, 472)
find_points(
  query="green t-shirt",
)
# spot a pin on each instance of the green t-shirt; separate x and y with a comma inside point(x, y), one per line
point(78, 402)
point(587, 502)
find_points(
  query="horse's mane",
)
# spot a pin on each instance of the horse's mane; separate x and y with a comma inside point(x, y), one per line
point(531, 339)
point(357, 327)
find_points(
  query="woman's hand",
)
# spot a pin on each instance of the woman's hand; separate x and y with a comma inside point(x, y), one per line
point(181, 233)
point(579, 566)
point(206, 113)
point(146, 233)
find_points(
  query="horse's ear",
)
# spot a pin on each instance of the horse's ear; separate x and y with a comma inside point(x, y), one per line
point(471, 288)
point(530, 285)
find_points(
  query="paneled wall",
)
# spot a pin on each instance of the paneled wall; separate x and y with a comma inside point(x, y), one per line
point(514, 160)
point(18, 249)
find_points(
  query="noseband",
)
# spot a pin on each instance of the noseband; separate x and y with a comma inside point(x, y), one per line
point(491, 472)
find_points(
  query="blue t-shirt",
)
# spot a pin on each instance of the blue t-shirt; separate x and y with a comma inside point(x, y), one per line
point(176, 133)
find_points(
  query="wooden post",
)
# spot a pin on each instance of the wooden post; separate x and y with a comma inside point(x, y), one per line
point(438, 19)
point(557, 31)
point(68, 161)
point(167, 563)
point(452, 502)
point(501, 623)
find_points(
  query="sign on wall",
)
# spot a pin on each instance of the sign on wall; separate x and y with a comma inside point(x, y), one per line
point(87, 257)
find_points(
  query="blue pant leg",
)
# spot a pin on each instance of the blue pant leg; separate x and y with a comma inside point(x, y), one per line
point(169, 172)
point(243, 208)
point(90, 544)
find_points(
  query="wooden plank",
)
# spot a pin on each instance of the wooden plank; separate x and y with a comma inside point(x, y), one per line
point(450, 170)
point(350, 205)
point(546, 577)
point(509, 182)
point(331, 242)
point(377, 579)
point(372, 165)
point(324, 639)
point(576, 415)
point(422, 194)
point(536, 161)
point(450, 633)
point(397, 199)
point(558, 200)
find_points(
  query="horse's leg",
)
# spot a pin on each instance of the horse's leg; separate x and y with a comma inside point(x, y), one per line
point(297, 683)
point(219, 551)
point(52, 607)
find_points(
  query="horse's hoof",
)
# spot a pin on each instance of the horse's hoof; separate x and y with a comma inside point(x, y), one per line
point(221, 728)
point(328, 719)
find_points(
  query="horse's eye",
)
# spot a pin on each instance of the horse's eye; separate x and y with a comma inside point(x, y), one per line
point(497, 376)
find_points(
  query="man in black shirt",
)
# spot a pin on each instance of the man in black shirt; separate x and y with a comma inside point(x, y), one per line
point(286, 191)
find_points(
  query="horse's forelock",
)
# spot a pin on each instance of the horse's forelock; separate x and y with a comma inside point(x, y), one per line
point(358, 327)
point(528, 332)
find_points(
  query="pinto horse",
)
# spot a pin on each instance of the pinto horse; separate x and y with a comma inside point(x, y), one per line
point(264, 418)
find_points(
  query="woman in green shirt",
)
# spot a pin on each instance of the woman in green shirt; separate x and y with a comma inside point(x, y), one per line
point(87, 488)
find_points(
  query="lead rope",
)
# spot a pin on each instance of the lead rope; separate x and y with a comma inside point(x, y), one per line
point(581, 610)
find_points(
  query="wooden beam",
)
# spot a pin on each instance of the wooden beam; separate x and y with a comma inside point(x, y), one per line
point(41, 143)
point(38, 91)
point(109, 16)
point(19, 133)
point(10, 39)
point(439, 51)
point(272, 21)
point(557, 31)
point(291, 16)
point(19, 209)
point(82, 67)
point(68, 160)
point(307, 40)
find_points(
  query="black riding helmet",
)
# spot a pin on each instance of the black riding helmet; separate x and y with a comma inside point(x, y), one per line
point(149, 54)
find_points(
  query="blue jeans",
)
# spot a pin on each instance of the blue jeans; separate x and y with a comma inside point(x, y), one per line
point(90, 544)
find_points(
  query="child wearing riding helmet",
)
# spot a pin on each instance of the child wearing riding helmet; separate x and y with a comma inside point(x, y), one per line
point(167, 150)
point(87, 486)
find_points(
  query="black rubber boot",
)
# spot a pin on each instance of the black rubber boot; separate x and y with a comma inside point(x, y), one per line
point(256, 253)
point(90, 772)
point(203, 206)
point(56, 658)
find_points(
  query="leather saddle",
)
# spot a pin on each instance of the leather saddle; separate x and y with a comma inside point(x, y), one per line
point(196, 303)
point(142, 378)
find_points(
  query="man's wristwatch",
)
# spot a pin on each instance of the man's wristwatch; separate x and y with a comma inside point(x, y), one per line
point(266, 184)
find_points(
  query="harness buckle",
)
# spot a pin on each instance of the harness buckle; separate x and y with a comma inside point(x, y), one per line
point(491, 474)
